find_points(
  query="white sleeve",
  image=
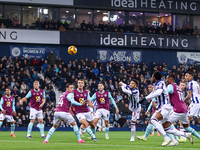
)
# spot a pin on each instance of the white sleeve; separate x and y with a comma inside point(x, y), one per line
point(125, 90)
point(154, 94)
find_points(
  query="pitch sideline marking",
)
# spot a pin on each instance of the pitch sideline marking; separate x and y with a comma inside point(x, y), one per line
point(97, 144)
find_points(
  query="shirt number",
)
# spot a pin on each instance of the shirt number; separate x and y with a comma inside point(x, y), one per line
point(60, 102)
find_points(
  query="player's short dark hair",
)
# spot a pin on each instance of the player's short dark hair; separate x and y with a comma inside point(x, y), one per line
point(157, 75)
point(190, 73)
point(8, 88)
point(172, 76)
point(68, 84)
point(80, 80)
point(136, 81)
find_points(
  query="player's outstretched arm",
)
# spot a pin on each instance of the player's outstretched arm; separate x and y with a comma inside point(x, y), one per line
point(170, 89)
point(113, 102)
point(153, 94)
point(93, 97)
point(70, 98)
point(13, 107)
point(25, 98)
point(125, 90)
point(1, 106)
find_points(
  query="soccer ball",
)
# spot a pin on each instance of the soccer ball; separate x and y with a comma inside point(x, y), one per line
point(72, 50)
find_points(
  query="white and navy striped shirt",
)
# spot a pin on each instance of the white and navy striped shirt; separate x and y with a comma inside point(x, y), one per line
point(133, 98)
point(194, 86)
point(95, 106)
point(163, 98)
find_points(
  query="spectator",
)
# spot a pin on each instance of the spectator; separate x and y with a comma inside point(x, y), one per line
point(23, 86)
point(52, 58)
point(121, 121)
point(127, 124)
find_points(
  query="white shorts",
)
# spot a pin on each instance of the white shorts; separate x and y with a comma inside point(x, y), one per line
point(87, 116)
point(165, 111)
point(67, 117)
point(135, 115)
point(194, 110)
point(179, 116)
point(8, 117)
point(105, 114)
point(35, 114)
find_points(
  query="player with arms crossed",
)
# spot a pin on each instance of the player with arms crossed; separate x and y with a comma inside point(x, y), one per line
point(134, 105)
point(7, 105)
point(163, 111)
point(102, 97)
point(193, 90)
point(62, 113)
point(179, 106)
point(83, 113)
point(37, 100)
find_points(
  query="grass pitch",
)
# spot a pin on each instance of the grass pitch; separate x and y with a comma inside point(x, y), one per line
point(67, 140)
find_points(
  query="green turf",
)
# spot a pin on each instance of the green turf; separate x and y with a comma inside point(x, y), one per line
point(67, 140)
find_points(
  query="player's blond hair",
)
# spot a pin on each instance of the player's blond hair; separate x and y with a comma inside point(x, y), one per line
point(36, 81)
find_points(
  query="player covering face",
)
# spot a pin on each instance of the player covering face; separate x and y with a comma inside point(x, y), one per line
point(62, 113)
point(7, 105)
point(37, 101)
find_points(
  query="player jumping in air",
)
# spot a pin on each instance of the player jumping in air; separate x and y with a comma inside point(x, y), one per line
point(7, 105)
point(37, 100)
point(163, 111)
point(134, 106)
point(194, 96)
point(62, 113)
point(83, 113)
point(103, 105)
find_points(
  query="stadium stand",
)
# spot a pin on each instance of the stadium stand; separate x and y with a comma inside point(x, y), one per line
point(19, 74)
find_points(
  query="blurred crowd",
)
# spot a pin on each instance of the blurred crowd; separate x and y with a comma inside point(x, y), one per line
point(163, 29)
point(19, 74)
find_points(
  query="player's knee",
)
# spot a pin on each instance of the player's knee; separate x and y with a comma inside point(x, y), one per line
point(73, 123)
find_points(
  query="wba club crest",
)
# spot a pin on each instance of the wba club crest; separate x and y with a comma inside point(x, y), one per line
point(103, 55)
point(136, 56)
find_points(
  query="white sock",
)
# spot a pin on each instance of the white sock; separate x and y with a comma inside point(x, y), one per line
point(175, 132)
point(159, 127)
point(182, 130)
point(133, 130)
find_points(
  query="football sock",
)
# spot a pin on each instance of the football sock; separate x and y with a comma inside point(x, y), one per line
point(133, 130)
point(30, 126)
point(77, 132)
point(41, 127)
point(1, 124)
point(12, 128)
point(189, 129)
point(159, 127)
point(183, 130)
point(89, 131)
point(107, 130)
point(174, 131)
point(148, 130)
point(94, 130)
point(171, 137)
point(50, 133)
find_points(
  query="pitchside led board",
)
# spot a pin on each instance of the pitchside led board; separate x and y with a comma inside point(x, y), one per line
point(119, 56)
point(32, 51)
point(188, 57)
